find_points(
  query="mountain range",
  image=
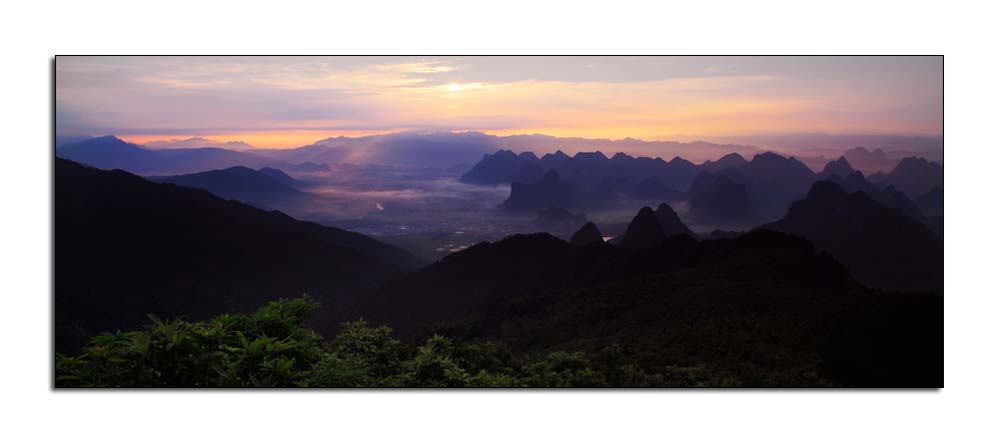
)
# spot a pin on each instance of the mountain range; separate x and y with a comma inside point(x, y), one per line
point(806, 300)
point(585, 169)
point(765, 306)
point(914, 176)
point(196, 142)
point(265, 187)
point(728, 192)
point(883, 247)
point(110, 152)
point(127, 247)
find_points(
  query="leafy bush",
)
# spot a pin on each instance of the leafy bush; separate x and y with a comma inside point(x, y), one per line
point(269, 348)
point(274, 348)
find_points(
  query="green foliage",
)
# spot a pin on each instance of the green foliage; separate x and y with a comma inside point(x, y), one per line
point(274, 348)
point(434, 366)
point(563, 369)
point(362, 357)
point(269, 348)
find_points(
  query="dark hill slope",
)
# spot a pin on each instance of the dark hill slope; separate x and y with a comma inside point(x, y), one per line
point(586, 235)
point(882, 247)
point(268, 187)
point(127, 247)
point(763, 309)
point(932, 202)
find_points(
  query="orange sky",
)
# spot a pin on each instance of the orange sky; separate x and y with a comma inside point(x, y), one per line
point(288, 102)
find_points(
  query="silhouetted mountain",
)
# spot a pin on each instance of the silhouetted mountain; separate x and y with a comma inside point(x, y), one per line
point(328, 151)
point(585, 169)
point(610, 191)
point(643, 231)
point(650, 227)
point(128, 247)
point(764, 309)
point(106, 152)
point(883, 248)
point(716, 198)
point(774, 182)
point(887, 196)
point(728, 161)
point(530, 172)
point(109, 152)
point(586, 235)
point(652, 188)
point(196, 142)
point(758, 189)
point(280, 176)
point(870, 161)
point(243, 184)
point(548, 191)
point(840, 167)
point(499, 167)
point(670, 223)
point(914, 176)
point(678, 173)
point(439, 151)
point(559, 220)
point(558, 158)
point(932, 202)
point(66, 139)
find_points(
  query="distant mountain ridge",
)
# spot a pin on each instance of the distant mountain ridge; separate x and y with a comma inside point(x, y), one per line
point(266, 186)
point(914, 176)
point(728, 192)
point(761, 187)
point(585, 169)
point(197, 142)
point(110, 152)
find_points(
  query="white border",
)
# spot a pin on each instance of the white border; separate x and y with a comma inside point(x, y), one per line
point(962, 412)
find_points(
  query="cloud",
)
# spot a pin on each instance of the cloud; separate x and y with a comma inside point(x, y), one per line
point(645, 97)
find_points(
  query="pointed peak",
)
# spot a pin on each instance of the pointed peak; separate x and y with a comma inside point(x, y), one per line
point(586, 235)
point(670, 222)
point(590, 155)
point(679, 160)
point(731, 157)
point(665, 209)
point(644, 212)
point(768, 155)
point(840, 167)
point(108, 138)
point(528, 155)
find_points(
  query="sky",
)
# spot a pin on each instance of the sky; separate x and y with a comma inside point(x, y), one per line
point(284, 102)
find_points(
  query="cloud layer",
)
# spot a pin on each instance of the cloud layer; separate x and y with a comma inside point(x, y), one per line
point(291, 101)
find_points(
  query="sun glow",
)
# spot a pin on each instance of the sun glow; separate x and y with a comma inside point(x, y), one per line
point(297, 101)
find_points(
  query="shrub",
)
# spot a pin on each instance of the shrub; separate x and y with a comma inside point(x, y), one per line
point(269, 348)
